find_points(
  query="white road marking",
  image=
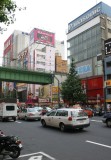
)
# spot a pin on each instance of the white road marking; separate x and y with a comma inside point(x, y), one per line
point(36, 158)
point(18, 122)
point(42, 153)
point(96, 120)
point(103, 145)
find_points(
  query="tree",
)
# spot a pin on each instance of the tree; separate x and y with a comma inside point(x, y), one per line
point(7, 8)
point(71, 88)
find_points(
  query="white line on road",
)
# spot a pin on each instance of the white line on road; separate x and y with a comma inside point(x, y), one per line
point(41, 153)
point(18, 122)
point(103, 145)
point(96, 120)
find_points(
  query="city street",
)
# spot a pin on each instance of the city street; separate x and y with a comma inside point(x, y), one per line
point(93, 143)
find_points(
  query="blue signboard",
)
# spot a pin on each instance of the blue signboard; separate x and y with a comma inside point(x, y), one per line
point(90, 14)
point(84, 69)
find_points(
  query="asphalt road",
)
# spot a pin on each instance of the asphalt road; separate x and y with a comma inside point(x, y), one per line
point(93, 143)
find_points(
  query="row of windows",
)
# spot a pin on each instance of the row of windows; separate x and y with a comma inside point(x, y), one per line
point(86, 45)
point(85, 36)
point(87, 53)
point(42, 63)
point(108, 91)
point(40, 69)
point(41, 56)
point(108, 76)
point(108, 64)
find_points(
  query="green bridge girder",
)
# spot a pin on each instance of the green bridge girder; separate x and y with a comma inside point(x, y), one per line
point(25, 76)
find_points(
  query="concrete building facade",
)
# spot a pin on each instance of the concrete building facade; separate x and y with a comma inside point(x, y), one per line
point(85, 43)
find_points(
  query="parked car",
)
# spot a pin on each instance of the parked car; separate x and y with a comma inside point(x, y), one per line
point(89, 112)
point(37, 108)
point(29, 114)
point(107, 119)
point(65, 118)
point(45, 110)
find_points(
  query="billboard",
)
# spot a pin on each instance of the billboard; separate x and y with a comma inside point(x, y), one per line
point(100, 8)
point(87, 16)
point(41, 36)
point(84, 69)
point(8, 45)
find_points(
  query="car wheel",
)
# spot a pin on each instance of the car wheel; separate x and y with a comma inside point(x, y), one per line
point(62, 127)
point(43, 123)
point(14, 118)
point(80, 129)
point(108, 123)
point(3, 120)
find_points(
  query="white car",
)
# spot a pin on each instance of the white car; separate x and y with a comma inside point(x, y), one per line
point(39, 109)
point(66, 118)
point(29, 114)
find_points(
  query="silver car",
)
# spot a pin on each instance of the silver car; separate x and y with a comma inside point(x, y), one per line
point(29, 114)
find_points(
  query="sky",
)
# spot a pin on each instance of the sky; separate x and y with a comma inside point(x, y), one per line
point(49, 15)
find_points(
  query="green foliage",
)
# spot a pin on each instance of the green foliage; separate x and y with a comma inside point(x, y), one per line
point(71, 89)
point(7, 8)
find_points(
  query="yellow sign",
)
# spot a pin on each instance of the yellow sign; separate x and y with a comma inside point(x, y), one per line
point(108, 83)
point(108, 100)
point(54, 90)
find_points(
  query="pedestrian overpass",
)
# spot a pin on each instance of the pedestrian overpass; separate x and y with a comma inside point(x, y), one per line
point(25, 76)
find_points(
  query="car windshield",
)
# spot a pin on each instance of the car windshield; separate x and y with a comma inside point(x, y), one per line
point(38, 109)
point(78, 113)
point(31, 110)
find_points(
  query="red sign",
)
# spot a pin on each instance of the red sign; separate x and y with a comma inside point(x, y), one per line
point(45, 37)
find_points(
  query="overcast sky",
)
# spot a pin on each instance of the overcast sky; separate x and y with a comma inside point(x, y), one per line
point(50, 15)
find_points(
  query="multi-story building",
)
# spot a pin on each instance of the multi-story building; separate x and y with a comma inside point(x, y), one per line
point(60, 49)
point(15, 44)
point(107, 72)
point(32, 51)
point(14, 56)
point(85, 43)
point(60, 65)
point(107, 78)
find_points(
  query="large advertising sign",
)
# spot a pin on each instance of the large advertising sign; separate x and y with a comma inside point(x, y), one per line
point(41, 36)
point(85, 69)
point(7, 45)
point(90, 14)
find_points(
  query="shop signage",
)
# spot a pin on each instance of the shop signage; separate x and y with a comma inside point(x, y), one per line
point(43, 100)
point(84, 69)
point(84, 18)
point(108, 83)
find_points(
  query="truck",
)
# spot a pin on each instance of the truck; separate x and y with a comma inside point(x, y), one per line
point(8, 111)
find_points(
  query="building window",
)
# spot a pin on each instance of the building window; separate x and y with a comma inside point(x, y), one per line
point(37, 90)
point(108, 64)
point(109, 30)
point(108, 90)
point(108, 76)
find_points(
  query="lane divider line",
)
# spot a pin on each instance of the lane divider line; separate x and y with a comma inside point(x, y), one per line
point(96, 120)
point(18, 122)
point(103, 145)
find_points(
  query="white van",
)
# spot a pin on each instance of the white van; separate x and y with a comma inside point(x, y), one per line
point(65, 118)
point(8, 111)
